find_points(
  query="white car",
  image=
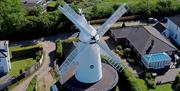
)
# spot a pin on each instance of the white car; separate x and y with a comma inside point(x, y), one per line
point(152, 20)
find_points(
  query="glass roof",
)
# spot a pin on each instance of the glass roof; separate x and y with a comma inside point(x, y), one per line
point(157, 57)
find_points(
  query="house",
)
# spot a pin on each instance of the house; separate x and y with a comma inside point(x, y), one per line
point(31, 3)
point(173, 29)
point(5, 65)
point(149, 45)
point(160, 27)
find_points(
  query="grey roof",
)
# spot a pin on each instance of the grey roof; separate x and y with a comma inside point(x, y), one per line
point(141, 38)
point(175, 19)
point(2, 45)
point(159, 27)
point(3, 49)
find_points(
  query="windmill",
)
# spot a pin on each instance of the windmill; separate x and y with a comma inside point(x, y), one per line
point(87, 54)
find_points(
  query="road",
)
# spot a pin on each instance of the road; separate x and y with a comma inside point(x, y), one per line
point(44, 77)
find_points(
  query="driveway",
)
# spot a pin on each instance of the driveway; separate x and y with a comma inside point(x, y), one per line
point(44, 77)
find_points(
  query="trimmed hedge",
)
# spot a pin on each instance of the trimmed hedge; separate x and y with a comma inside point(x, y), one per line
point(32, 85)
point(25, 51)
point(60, 44)
point(134, 83)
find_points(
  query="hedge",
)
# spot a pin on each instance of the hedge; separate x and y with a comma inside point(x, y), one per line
point(32, 85)
point(60, 44)
point(25, 51)
point(134, 83)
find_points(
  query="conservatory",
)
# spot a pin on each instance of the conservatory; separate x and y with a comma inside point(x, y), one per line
point(156, 61)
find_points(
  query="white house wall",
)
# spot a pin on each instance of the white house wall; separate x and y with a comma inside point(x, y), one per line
point(4, 64)
point(174, 31)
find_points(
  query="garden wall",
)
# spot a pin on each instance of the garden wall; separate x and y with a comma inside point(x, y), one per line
point(25, 74)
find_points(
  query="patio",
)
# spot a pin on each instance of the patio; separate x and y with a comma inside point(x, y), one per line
point(169, 76)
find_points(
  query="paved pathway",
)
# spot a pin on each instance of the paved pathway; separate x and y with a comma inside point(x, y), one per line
point(44, 76)
point(128, 23)
point(169, 76)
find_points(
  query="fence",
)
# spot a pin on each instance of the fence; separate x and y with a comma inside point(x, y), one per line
point(27, 73)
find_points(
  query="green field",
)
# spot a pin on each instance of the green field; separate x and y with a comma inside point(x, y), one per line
point(164, 87)
point(22, 64)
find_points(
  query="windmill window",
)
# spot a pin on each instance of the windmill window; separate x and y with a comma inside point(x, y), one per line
point(91, 66)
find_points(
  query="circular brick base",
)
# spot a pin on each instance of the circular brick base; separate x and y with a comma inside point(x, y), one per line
point(108, 81)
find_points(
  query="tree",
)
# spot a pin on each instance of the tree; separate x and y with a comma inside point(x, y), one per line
point(176, 84)
point(123, 25)
point(12, 16)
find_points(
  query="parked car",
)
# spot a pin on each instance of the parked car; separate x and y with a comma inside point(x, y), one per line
point(163, 20)
point(152, 20)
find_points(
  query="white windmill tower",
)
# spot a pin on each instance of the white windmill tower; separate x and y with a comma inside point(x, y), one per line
point(87, 54)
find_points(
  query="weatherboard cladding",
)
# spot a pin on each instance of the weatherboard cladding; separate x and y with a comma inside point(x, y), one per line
point(175, 19)
point(158, 57)
point(141, 37)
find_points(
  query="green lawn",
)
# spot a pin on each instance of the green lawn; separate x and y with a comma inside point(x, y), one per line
point(22, 64)
point(32, 84)
point(117, 88)
point(164, 87)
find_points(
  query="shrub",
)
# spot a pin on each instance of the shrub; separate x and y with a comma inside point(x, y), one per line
point(39, 55)
point(127, 52)
point(133, 81)
point(59, 49)
point(131, 61)
point(150, 81)
point(176, 83)
point(102, 10)
point(52, 5)
point(120, 53)
point(60, 44)
point(33, 84)
point(123, 25)
point(119, 47)
point(25, 51)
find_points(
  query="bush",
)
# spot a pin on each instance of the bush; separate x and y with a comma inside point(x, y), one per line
point(24, 52)
point(150, 81)
point(128, 52)
point(52, 5)
point(176, 83)
point(131, 61)
point(39, 55)
point(59, 49)
point(119, 47)
point(101, 10)
point(32, 85)
point(132, 81)
point(60, 44)
point(120, 53)
point(123, 25)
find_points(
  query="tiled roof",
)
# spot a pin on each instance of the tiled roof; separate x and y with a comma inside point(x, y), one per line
point(141, 38)
point(175, 19)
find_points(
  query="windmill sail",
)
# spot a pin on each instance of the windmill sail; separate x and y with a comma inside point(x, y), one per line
point(105, 27)
point(114, 61)
point(76, 19)
point(72, 59)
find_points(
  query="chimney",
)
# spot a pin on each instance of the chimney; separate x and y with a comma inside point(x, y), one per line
point(150, 47)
